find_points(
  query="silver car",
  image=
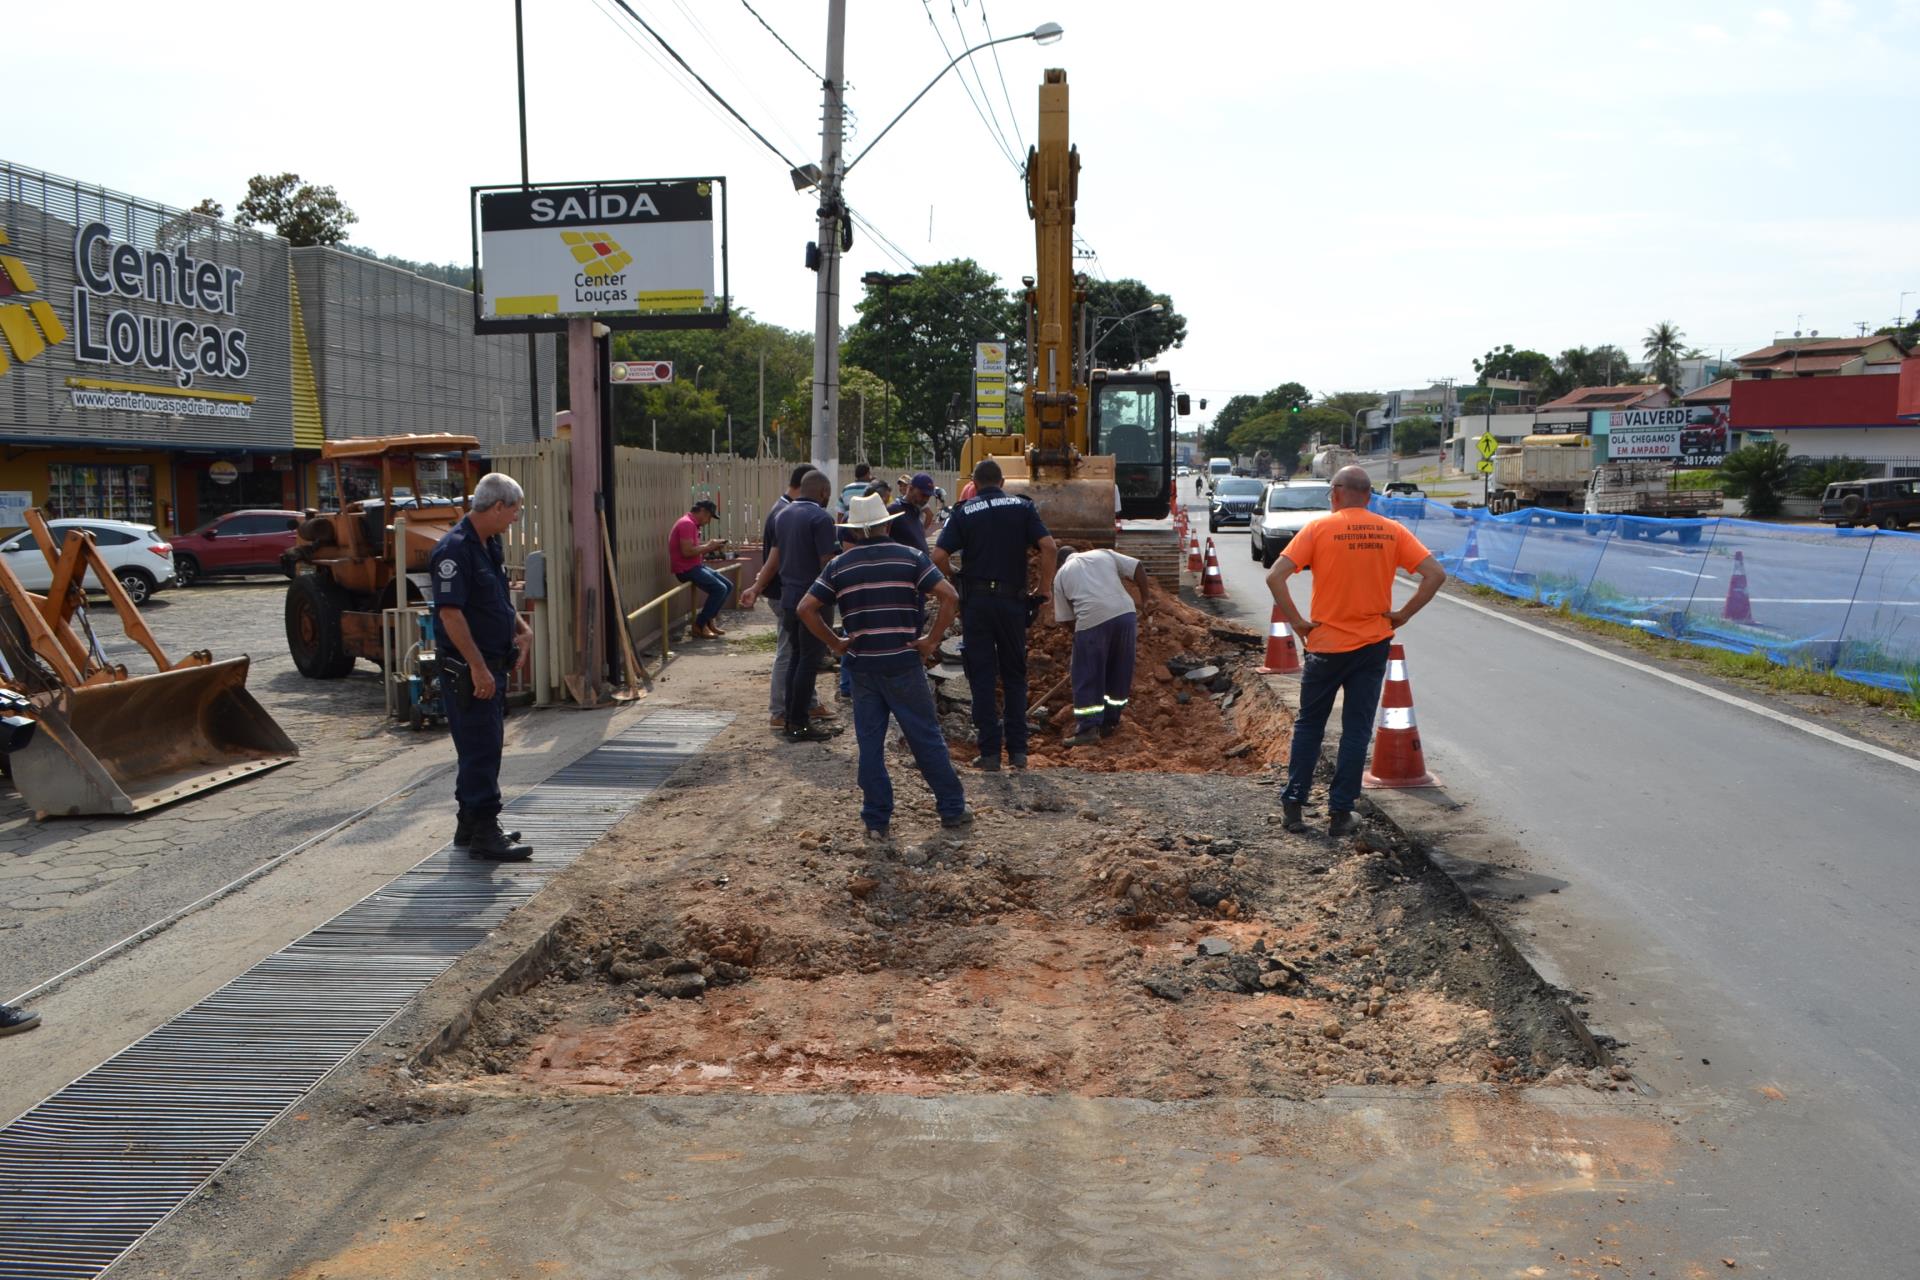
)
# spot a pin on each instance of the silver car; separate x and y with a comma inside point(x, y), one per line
point(136, 553)
point(1286, 507)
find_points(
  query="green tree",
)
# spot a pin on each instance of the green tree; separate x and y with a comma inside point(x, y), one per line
point(1663, 346)
point(725, 365)
point(1415, 435)
point(1144, 336)
point(1907, 334)
point(1510, 365)
point(1216, 440)
point(924, 336)
point(1759, 473)
point(305, 214)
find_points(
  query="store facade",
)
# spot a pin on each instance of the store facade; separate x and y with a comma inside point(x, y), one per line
point(159, 366)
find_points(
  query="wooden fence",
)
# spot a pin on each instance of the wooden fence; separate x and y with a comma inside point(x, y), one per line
point(650, 491)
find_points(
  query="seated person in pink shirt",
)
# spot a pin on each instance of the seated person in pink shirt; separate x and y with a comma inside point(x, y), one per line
point(684, 552)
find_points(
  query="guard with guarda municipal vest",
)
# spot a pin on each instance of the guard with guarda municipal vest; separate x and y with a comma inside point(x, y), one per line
point(992, 532)
point(483, 640)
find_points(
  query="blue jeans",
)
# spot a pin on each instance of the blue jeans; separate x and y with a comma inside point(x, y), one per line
point(715, 585)
point(1359, 673)
point(899, 689)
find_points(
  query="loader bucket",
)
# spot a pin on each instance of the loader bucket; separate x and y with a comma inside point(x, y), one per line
point(135, 744)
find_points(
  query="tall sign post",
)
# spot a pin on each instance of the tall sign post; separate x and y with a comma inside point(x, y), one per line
point(584, 260)
point(990, 388)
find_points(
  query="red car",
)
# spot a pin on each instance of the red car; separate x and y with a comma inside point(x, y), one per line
point(237, 542)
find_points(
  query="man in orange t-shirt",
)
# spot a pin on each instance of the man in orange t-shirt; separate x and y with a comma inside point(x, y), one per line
point(1353, 555)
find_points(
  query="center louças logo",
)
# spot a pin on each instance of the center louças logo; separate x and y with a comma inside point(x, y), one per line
point(26, 328)
point(598, 253)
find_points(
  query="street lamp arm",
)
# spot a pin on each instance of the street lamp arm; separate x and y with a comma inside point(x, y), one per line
point(1035, 34)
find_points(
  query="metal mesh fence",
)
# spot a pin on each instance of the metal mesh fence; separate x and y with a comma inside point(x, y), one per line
point(395, 352)
point(1840, 600)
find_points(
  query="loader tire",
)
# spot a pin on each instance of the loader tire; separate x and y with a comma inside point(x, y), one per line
point(313, 629)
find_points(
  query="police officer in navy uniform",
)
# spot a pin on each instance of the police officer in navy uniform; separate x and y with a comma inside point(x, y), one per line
point(483, 640)
point(993, 531)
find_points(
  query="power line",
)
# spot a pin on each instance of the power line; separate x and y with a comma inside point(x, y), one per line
point(960, 34)
point(701, 30)
point(1011, 113)
point(998, 142)
point(666, 68)
point(783, 44)
point(711, 91)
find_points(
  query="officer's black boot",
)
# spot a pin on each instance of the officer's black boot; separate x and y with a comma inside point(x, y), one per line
point(491, 844)
point(463, 831)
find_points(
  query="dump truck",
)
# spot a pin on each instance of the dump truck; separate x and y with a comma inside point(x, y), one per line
point(1541, 471)
point(1330, 460)
point(1645, 488)
point(103, 740)
point(1094, 436)
point(348, 566)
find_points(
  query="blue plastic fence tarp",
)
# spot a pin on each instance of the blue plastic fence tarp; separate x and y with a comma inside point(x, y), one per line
point(1840, 600)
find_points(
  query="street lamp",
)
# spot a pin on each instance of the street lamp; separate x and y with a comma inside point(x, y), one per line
point(833, 215)
point(1102, 337)
point(696, 376)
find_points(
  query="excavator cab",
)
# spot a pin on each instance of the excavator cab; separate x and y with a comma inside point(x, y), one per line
point(1132, 420)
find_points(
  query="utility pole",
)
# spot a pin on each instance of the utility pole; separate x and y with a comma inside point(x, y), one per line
point(533, 340)
point(760, 449)
point(826, 316)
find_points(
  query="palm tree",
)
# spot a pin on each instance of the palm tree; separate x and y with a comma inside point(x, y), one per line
point(1663, 346)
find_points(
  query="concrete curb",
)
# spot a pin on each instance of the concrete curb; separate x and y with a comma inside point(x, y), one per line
point(1395, 811)
point(507, 963)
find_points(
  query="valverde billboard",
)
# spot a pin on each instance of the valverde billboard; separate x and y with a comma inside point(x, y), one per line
point(633, 255)
point(123, 321)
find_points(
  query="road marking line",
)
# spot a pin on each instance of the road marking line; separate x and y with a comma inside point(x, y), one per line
point(1706, 690)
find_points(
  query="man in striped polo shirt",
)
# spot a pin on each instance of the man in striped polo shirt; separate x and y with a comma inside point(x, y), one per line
point(878, 584)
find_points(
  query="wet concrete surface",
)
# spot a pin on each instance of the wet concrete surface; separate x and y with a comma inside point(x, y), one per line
point(1361, 1185)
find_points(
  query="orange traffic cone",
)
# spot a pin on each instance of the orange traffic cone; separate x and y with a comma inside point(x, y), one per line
point(1282, 658)
point(1212, 584)
point(1397, 760)
point(1739, 606)
point(1193, 552)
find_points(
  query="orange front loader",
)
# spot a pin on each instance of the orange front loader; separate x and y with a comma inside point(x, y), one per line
point(109, 741)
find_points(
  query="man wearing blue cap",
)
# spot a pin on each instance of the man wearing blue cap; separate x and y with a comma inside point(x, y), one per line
point(909, 527)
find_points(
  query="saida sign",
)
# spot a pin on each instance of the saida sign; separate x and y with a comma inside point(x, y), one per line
point(636, 255)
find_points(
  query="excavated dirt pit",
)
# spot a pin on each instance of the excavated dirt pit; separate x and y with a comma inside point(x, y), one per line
point(1104, 934)
point(1173, 722)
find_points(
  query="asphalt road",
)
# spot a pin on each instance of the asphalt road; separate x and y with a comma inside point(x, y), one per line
point(1741, 897)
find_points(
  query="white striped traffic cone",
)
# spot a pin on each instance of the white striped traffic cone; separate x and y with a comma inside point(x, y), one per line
point(1212, 584)
point(1193, 552)
point(1283, 658)
point(1397, 759)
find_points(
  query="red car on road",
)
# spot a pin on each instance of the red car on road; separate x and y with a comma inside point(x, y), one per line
point(237, 542)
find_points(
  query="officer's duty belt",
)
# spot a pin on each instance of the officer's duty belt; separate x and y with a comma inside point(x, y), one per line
point(989, 587)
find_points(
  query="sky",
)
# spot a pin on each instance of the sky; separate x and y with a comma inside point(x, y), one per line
point(1354, 197)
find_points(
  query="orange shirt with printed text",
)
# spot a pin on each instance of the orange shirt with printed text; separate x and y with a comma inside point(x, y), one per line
point(1353, 554)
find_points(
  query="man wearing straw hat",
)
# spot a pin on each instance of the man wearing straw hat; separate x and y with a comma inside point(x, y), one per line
point(1352, 554)
point(878, 584)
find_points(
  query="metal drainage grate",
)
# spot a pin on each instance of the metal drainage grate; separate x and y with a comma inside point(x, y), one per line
point(88, 1172)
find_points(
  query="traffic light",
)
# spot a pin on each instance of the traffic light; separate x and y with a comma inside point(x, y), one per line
point(1293, 408)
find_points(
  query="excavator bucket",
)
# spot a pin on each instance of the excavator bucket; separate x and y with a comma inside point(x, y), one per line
point(1078, 511)
point(126, 746)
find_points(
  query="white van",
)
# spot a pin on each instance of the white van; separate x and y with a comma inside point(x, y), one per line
point(1216, 468)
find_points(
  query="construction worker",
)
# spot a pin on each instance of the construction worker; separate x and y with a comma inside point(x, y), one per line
point(878, 584)
point(993, 532)
point(1352, 554)
point(475, 613)
point(685, 558)
point(1090, 597)
point(14, 1020)
point(804, 541)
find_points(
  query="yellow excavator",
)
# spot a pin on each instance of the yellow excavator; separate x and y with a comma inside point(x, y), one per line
point(1098, 442)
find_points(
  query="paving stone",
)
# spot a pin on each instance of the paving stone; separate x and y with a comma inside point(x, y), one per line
point(62, 871)
point(41, 901)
